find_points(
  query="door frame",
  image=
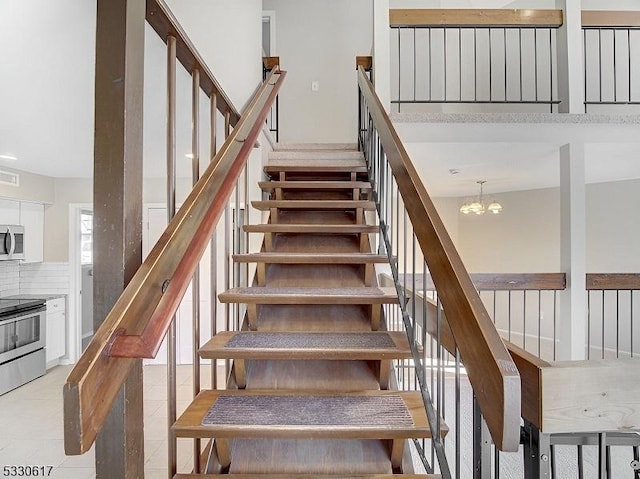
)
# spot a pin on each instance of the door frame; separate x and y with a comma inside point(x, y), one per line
point(74, 315)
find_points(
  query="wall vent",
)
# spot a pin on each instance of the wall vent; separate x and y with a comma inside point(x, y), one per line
point(9, 178)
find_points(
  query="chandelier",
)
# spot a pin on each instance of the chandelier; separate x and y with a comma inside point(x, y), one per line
point(477, 205)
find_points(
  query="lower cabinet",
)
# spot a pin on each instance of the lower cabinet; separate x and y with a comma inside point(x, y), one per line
point(56, 329)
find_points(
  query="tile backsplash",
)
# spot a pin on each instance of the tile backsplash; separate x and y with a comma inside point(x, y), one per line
point(9, 278)
point(33, 278)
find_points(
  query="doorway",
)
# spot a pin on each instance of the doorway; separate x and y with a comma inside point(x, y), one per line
point(86, 282)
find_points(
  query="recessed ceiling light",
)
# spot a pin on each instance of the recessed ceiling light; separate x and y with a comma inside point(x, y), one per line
point(8, 157)
point(189, 155)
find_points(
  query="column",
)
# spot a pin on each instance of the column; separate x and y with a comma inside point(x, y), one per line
point(572, 321)
point(570, 58)
point(381, 54)
point(117, 200)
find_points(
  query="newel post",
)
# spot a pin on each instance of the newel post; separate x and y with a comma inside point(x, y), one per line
point(117, 200)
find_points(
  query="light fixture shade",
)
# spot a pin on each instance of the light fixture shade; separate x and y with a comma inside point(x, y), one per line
point(476, 207)
point(495, 207)
point(464, 209)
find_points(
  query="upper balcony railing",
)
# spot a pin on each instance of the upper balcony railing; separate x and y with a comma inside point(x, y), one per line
point(611, 57)
point(474, 57)
point(508, 60)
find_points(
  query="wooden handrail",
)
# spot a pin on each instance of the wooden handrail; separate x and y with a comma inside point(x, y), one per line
point(611, 18)
point(469, 17)
point(507, 281)
point(491, 370)
point(138, 322)
point(613, 281)
point(161, 19)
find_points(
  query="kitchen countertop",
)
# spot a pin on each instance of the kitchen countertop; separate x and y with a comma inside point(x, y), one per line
point(46, 297)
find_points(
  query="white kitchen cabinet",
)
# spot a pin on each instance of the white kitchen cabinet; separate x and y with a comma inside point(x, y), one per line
point(32, 218)
point(9, 212)
point(56, 329)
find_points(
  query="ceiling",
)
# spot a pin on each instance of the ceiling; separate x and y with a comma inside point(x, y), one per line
point(47, 116)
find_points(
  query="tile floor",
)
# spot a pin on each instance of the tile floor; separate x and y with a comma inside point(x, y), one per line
point(31, 422)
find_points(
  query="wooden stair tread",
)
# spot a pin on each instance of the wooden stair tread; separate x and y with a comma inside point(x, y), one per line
point(310, 166)
point(311, 228)
point(311, 258)
point(310, 476)
point(308, 156)
point(310, 185)
point(315, 146)
point(292, 414)
point(283, 345)
point(267, 295)
point(314, 204)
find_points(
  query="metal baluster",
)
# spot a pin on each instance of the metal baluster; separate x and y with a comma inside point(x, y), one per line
point(617, 324)
point(414, 64)
point(603, 333)
point(615, 71)
point(430, 66)
point(475, 65)
point(631, 316)
point(457, 413)
point(600, 61)
point(524, 319)
point(629, 66)
point(539, 322)
point(602, 455)
point(580, 462)
point(236, 250)
point(399, 71)
point(490, 66)
point(444, 31)
point(555, 328)
point(509, 312)
point(535, 60)
point(213, 247)
point(195, 283)
point(588, 324)
point(584, 50)
point(551, 88)
point(171, 210)
point(504, 36)
point(460, 62)
point(520, 59)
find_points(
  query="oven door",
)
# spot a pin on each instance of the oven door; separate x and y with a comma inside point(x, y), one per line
point(21, 334)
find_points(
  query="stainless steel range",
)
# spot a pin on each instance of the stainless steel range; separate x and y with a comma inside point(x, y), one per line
point(22, 342)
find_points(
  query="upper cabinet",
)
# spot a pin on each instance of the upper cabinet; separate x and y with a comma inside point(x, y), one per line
point(9, 212)
point(32, 218)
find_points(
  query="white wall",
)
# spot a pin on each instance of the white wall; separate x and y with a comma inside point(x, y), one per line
point(525, 237)
point(318, 41)
point(32, 187)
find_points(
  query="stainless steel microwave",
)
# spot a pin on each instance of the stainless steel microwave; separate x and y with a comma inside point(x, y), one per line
point(11, 242)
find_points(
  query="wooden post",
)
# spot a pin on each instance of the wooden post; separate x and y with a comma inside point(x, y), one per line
point(117, 200)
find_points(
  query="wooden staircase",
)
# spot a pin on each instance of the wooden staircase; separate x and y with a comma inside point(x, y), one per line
point(310, 394)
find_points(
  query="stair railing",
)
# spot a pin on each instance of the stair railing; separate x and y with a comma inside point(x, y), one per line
point(416, 241)
point(140, 319)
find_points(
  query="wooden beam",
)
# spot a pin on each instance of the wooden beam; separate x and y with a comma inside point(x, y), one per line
point(506, 281)
point(116, 413)
point(470, 17)
point(611, 18)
